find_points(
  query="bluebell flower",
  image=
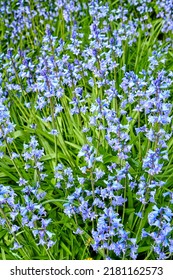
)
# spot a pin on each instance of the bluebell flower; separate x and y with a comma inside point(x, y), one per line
point(22, 182)
point(78, 231)
point(54, 132)
point(16, 246)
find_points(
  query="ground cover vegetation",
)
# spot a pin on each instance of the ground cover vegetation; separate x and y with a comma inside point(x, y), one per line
point(86, 147)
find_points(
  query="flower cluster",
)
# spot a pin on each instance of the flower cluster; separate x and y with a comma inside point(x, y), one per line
point(160, 220)
point(86, 120)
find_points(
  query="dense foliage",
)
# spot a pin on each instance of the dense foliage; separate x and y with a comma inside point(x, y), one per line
point(86, 129)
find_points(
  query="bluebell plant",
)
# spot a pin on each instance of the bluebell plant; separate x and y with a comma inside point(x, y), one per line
point(86, 122)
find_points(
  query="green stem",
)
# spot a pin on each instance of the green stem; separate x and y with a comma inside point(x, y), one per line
point(18, 171)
